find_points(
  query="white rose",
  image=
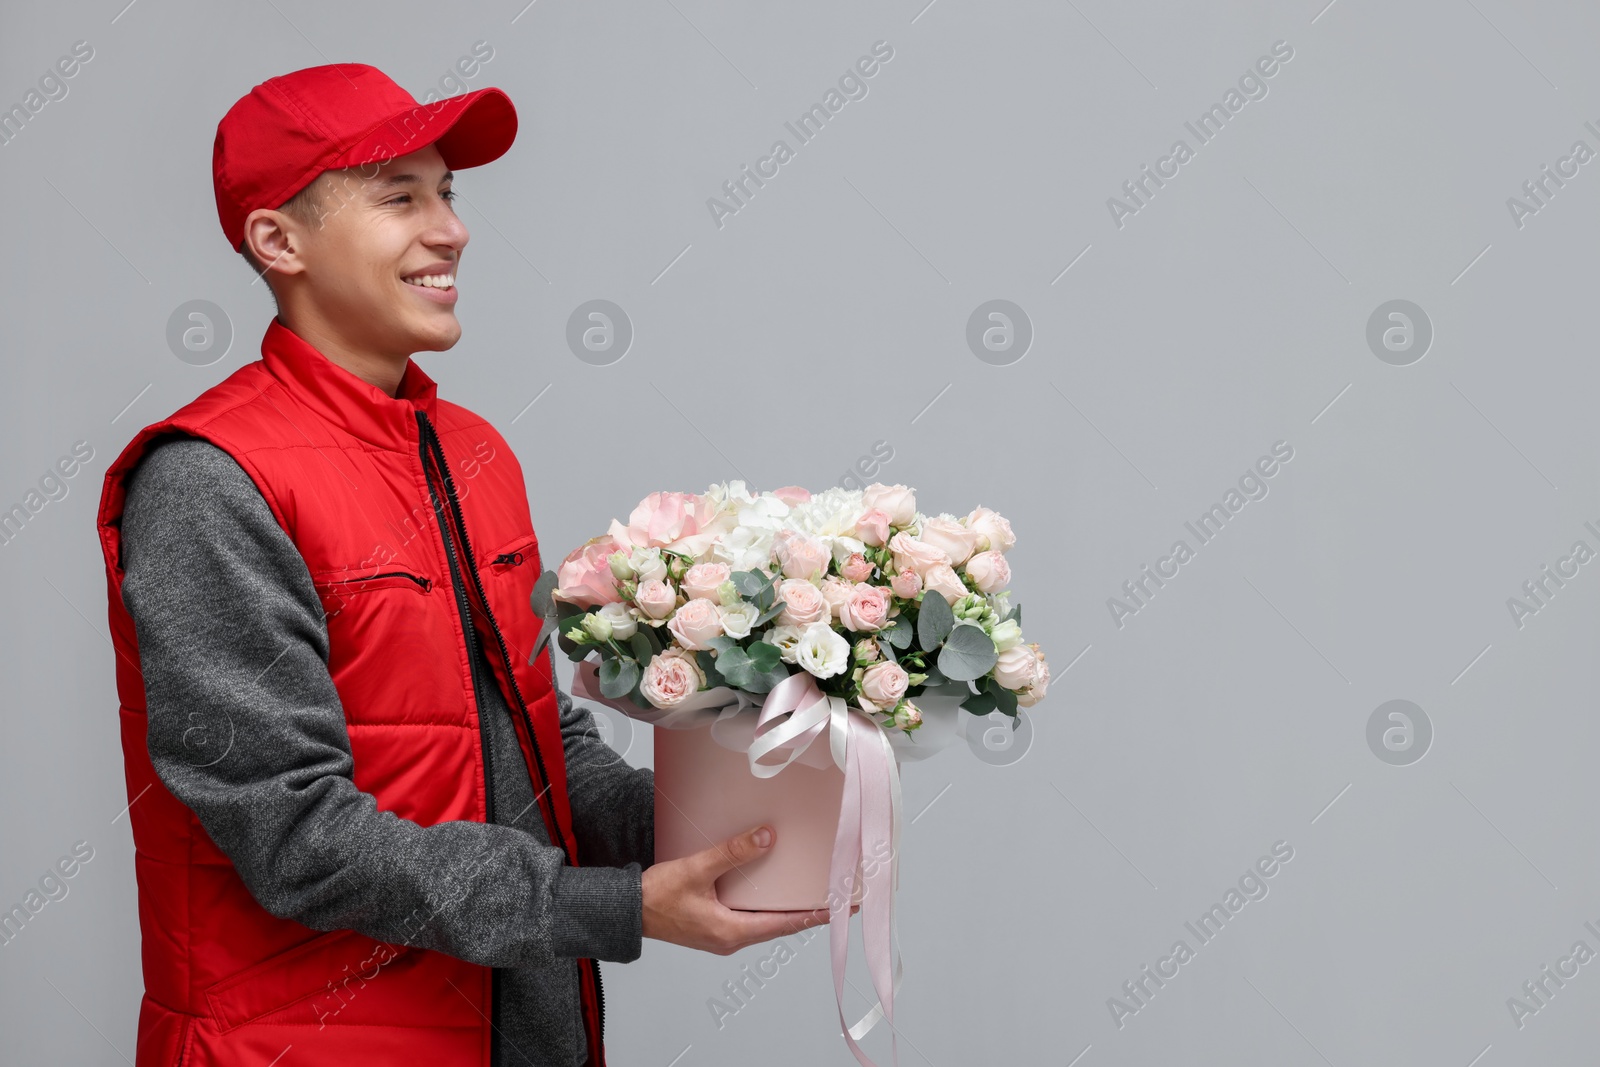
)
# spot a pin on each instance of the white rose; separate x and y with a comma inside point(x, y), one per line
point(647, 563)
point(896, 501)
point(994, 532)
point(822, 651)
point(623, 624)
point(737, 619)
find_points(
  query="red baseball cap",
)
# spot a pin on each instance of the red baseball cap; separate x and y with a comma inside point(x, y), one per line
point(278, 137)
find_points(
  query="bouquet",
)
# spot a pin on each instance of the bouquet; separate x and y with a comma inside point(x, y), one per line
point(878, 602)
point(847, 614)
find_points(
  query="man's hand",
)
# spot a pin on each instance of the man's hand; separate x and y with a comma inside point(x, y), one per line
point(681, 905)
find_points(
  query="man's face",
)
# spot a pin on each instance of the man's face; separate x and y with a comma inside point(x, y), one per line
point(384, 228)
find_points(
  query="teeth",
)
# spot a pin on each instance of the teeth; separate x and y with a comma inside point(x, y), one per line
point(433, 281)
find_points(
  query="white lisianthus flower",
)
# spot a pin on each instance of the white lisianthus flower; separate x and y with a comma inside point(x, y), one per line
point(737, 619)
point(623, 624)
point(822, 651)
point(787, 638)
point(598, 625)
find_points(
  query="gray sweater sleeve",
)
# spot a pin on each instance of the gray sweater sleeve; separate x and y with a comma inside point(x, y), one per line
point(601, 785)
point(246, 728)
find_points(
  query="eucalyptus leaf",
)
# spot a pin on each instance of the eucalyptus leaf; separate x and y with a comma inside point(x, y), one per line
point(766, 681)
point(640, 644)
point(764, 655)
point(934, 620)
point(887, 650)
point(541, 600)
point(1004, 700)
point(749, 583)
point(968, 653)
point(898, 633)
point(723, 642)
point(770, 614)
point(979, 703)
point(617, 677)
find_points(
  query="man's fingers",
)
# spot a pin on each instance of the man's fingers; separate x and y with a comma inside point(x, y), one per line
point(754, 927)
point(736, 850)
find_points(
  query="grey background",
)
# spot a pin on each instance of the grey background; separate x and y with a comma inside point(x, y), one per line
point(830, 313)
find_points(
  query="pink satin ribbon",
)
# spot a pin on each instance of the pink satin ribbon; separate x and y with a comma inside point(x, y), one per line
point(793, 715)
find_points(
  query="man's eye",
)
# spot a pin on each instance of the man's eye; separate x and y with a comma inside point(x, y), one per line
point(449, 194)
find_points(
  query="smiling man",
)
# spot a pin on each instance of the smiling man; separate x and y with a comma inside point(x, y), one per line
point(369, 826)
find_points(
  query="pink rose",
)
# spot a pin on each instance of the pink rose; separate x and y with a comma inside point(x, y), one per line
point(836, 591)
point(866, 609)
point(656, 598)
point(682, 522)
point(671, 677)
point(896, 501)
point(882, 686)
point(803, 603)
point(873, 526)
point(907, 551)
point(993, 531)
point(1041, 681)
point(696, 623)
point(792, 494)
point(702, 580)
point(943, 579)
point(585, 578)
point(989, 571)
point(956, 540)
point(1018, 667)
point(906, 583)
point(857, 568)
point(800, 555)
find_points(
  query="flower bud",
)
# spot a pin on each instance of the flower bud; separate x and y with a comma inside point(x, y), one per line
point(907, 717)
point(620, 567)
point(1006, 634)
point(598, 626)
point(866, 651)
point(728, 593)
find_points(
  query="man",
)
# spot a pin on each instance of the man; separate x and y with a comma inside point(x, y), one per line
point(368, 825)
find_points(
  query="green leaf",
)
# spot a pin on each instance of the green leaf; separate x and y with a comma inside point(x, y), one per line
point(898, 632)
point(968, 653)
point(640, 644)
point(887, 649)
point(766, 681)
point(764, 655)
point(617, 677)
point(935, 676)
point(979, 703)
point(736, 667)
point(749, 583)
point(1004, 700)
point(768, 615)
point(722, 642)
point(541, 600)
point(934, 620)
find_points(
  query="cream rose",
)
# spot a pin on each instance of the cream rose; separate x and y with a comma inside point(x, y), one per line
point(873, 526)
point(994, 532)
point(908, 551)
point(656, 598)
point(696, 623)
point(1018, 667)
point(671, 677)
point(989, 571)
point(836, 591)
point(703, 579)
point(882, 686)
point(803, 603)
point(647, 563)
point(867, 608)
point(943, 579)
point(1041, 681)
point(944, 532)
point(895, 501)
point(800, 555)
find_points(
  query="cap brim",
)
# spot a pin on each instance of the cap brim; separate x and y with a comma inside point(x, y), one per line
point(470, 130)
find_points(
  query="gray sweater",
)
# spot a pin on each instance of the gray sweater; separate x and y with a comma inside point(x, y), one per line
point(231, 631)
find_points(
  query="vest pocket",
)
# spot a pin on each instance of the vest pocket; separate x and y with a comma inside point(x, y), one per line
point(520, 551)
point(313, 969)
point(335, 584)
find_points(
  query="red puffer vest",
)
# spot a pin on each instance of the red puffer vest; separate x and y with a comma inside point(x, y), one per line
point(341, 464)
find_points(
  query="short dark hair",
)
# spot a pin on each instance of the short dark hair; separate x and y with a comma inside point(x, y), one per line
point(306, 205)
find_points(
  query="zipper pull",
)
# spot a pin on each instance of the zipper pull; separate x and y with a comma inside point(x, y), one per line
point(513, 558)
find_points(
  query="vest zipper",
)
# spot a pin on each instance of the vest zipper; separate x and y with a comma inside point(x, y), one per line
point(459, 586)
point(426, 438)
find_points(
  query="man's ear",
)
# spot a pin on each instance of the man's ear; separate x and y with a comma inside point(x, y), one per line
point(269, 240)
